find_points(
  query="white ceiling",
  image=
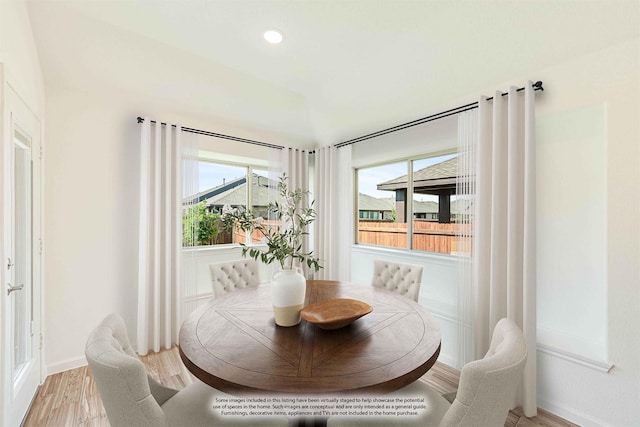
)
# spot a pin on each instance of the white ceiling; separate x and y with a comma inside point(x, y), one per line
point(345, 68)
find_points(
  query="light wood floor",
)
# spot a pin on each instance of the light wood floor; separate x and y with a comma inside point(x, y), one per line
point(70, 398)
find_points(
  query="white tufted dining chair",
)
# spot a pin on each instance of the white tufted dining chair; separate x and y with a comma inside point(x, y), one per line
point(486, 392)
point(132, 398)
point(398, 277)
point(233, 275)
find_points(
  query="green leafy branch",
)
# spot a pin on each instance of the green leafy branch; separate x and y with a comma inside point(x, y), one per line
point(284, 244)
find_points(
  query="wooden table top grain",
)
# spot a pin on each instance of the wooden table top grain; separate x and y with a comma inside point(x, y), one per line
point(233, 344)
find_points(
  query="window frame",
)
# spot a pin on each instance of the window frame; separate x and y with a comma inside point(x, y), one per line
point(249, 168)
point(409, 206)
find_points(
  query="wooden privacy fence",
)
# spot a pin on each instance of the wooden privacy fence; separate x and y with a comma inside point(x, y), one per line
point(427, 235)
point(256, 236)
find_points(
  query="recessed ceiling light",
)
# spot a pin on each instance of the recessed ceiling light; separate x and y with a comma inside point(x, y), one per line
point(273, 36)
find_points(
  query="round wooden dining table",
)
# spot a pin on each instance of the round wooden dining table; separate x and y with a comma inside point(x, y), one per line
point(233, 344)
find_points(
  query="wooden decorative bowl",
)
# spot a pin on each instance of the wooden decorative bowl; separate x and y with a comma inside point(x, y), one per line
point(335, 313)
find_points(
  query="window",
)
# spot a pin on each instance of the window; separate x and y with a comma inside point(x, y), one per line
point(223, 184)
point(379, 221)
point(385, 218)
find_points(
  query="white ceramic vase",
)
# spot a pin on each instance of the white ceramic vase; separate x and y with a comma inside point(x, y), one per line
point(288, 289)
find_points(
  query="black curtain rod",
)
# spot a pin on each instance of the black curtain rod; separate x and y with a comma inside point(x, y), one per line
point(536, 86)
point(220, 135)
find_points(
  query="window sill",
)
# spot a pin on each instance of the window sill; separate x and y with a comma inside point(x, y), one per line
point(220, 248)
point(408, 253)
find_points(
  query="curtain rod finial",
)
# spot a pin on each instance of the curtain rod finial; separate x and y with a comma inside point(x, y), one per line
point(538, 85)
point(140, 119)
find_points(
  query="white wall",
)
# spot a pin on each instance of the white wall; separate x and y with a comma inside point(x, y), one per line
point(601, 89)
point(91, 202)
point(19, 56)
point(92, 208)
point(429, 138)
point(571, 221)
point(588, 238)
point(91, 205)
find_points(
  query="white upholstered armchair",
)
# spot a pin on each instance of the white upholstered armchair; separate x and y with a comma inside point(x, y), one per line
point(398, 277)
point(486, 392)
point(233, 275)
point(132, 398)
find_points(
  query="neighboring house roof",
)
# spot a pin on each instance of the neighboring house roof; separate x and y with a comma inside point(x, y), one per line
point(370, 203)
point(430, 179)
point(234, 193)
point(425, 207)
point(387, 204)
point(222, 188)
point(237, 195)
point(462, 206)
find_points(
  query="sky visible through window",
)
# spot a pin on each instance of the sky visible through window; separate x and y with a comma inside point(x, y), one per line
point(369, 178)
point(214, 174)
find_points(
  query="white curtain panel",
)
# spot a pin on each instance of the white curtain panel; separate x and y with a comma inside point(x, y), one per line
point(334, 232)
point(275, 162)
point(295, 164)
point(465, 205)
point(504, 253)
point(191, 274)
point(160, 237)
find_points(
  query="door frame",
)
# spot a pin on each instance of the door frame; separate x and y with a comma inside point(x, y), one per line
point(14, 110)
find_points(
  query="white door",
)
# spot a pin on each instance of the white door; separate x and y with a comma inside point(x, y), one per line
point(22, 266)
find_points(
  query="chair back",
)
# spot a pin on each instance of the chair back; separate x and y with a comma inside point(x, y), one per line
point(488, 386)
point(398, 277)
point(233, 275)
point(121, 377)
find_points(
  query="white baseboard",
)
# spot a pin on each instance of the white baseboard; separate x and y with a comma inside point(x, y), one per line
point(570, 414)
point(65, 365)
